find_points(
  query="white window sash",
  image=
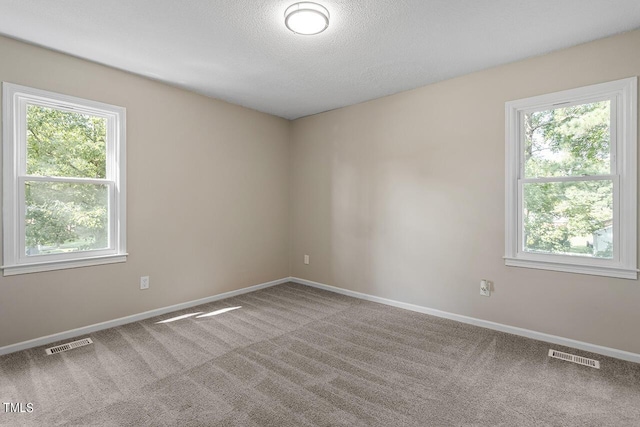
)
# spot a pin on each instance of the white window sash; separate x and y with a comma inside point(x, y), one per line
point(615, 180)
point(28, 259)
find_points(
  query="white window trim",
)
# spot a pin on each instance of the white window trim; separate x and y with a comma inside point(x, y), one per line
point(624, 96)
point(15, 97)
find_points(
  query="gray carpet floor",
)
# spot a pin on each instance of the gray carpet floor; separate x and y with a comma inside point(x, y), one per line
point(299, 356)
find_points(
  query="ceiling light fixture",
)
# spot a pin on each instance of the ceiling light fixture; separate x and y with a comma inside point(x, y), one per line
point(306, 18)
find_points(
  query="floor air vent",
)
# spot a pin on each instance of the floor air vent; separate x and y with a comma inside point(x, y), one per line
point(69, 346)
point(575, 359)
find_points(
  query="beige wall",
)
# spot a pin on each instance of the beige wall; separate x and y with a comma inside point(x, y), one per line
point(403, 198)
point(208, 200)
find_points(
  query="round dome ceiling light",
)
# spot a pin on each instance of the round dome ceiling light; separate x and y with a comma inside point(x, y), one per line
point(306, 18)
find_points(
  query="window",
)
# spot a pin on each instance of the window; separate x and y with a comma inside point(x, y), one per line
point(64, 181)
point(571, 180)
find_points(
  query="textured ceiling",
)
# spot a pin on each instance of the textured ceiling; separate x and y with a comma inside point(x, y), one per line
point(241, 52)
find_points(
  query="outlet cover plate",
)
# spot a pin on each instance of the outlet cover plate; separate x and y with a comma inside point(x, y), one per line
point(485, 288)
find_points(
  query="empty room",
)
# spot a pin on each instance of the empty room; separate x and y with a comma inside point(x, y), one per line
point(329, 213)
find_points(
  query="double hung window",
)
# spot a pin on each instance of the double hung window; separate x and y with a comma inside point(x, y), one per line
point(571, 177)
point(64, 181)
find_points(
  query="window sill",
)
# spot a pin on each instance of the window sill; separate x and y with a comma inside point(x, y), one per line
point(593, 270)
point(12, 270)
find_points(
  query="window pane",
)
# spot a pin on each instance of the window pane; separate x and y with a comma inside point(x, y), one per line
point(62, 143)
point(66, 217)
point(571, 141)
point(572, 218)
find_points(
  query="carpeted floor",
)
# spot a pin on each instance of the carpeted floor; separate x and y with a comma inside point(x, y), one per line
point(298, 356)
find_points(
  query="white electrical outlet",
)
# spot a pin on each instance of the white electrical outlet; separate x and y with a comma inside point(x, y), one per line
point(144, 282)
point(306, 259)
point(485, 288)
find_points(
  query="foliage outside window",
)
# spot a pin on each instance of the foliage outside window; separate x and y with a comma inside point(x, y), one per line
point(571, 180)
point(64, 181)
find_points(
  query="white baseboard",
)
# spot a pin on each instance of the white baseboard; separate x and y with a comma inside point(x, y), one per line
point(130, 319)
point(540, 336)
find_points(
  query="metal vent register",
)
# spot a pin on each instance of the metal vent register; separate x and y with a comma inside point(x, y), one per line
point(69, 346)
point(573, 358)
